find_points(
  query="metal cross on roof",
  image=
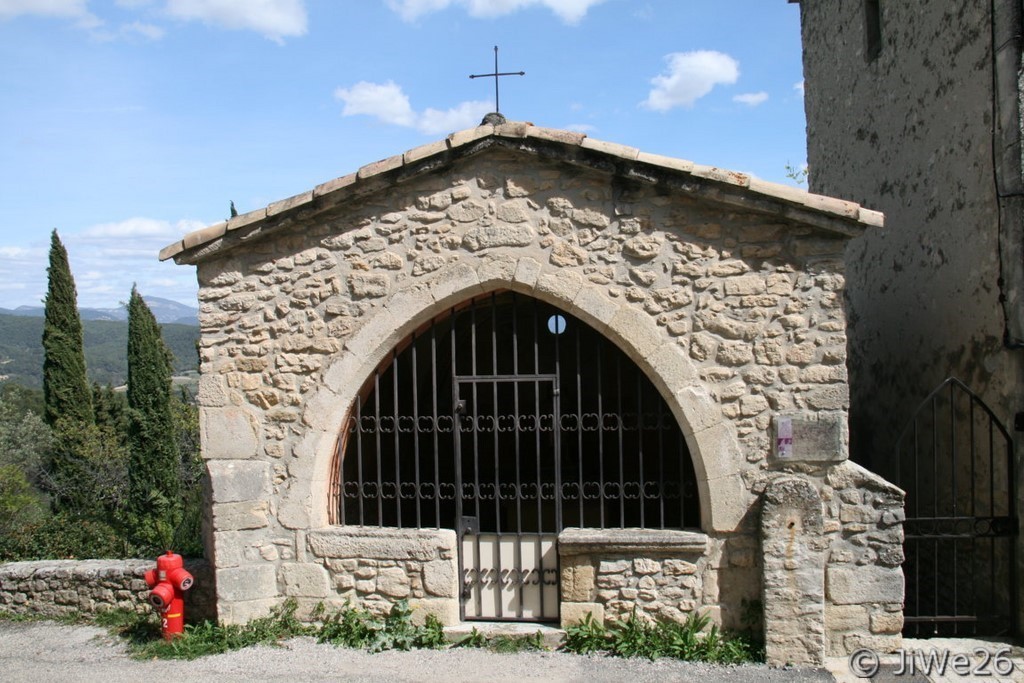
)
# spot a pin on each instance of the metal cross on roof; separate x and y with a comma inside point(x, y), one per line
point(497, 106)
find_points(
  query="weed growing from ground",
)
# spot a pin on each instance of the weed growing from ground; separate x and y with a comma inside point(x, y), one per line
point(691, 640)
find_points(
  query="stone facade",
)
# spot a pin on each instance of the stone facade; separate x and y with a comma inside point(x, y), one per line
point(58, 587)
point(726, 291)
point(929, 131)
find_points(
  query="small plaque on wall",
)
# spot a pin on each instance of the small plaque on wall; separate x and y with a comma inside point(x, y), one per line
point(809, 438)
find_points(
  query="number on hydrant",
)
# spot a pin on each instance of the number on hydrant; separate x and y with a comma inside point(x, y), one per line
point(168, 583)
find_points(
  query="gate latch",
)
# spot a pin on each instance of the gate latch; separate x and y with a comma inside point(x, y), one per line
point(469, 525)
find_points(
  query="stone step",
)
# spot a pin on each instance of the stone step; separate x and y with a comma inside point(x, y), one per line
point(551, 636)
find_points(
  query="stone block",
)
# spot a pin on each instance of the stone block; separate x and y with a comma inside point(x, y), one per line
point(240, 516)
point(846, 618)
point(228, 433)
point(440, 578)
point(559, 287)
point(234, 481)
point(393, 582)
point(864, 585)
point(251, 582)
point(574, 612)
point(886, 623)
point(446, 611)
point(305, 580)
point(380, 543)
point(595, 308)
point(637, 330)
point(455, 283)
point(244, 612)
point(815, 438)
point(578, 580)
point(527, 272)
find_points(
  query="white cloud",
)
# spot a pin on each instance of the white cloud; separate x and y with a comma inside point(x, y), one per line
point(388, 103)
point(149, 31)
point(384, 101)
point(465, 115)
point(274, 19)
point(751, 99)
point(799, 87)
point(569, 11)
point(689, 77)
point(55, 9)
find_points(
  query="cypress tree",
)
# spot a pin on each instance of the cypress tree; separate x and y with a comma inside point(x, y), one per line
point(154, 506)
point(66, 392)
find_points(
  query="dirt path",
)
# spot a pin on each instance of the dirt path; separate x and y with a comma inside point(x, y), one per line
point(42, 651)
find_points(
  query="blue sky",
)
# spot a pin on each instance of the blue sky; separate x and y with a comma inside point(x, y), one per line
point(127, 123)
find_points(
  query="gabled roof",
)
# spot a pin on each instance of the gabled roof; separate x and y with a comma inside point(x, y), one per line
point(714, 185)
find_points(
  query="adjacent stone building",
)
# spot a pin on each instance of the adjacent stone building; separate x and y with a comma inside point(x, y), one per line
point(522, 374)
point(913, 108)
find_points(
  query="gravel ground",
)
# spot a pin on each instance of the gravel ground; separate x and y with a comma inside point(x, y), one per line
point(41, 651)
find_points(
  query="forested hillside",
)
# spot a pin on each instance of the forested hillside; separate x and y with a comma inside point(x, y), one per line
point(21, 350)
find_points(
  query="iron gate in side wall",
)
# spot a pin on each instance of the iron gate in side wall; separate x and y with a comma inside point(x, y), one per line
point(954, 459)
point(509, 420)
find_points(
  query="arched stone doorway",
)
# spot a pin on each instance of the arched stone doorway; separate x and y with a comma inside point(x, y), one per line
point(508, 420)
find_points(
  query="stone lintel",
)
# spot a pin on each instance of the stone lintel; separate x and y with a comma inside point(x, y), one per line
point(380, 543)
point(575, 541)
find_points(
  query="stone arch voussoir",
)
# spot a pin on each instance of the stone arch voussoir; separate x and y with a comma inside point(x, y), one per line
point(712, 440)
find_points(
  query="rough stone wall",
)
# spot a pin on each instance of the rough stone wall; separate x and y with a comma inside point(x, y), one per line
point(56, 587)
point(654, 574)
point(911, 134)
point(864, 582)
point(737, 316)
point(372, 568)
point(832, 546)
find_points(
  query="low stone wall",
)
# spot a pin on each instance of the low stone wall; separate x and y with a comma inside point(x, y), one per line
point(864, 581)
point(56, 587)
point(610, 572)
point(375, 567)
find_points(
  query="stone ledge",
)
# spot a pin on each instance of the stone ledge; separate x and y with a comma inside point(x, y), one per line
point(575, 541)
point(382, 543)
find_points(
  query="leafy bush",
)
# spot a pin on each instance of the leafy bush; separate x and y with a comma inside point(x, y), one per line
point(691, 640)
point(63, 536)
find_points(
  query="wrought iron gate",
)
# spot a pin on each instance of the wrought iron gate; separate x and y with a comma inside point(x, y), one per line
point(955, 461)
point(509, 512)
point(508, 420)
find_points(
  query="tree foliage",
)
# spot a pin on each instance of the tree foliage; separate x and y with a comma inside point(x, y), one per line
point(65, 387)
point(154, 505)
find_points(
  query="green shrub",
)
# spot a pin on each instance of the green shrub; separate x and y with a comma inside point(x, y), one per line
point(63, 536)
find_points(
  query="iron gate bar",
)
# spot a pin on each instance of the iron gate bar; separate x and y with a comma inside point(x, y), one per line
point(988, 539)
point(404, 473)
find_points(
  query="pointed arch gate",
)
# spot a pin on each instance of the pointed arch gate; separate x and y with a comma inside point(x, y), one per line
point(508, 420)
point(954, 459)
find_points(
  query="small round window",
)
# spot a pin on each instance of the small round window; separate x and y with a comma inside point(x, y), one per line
point(556, 324)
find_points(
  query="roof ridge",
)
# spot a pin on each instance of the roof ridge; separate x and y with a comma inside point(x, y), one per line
point(465, 139)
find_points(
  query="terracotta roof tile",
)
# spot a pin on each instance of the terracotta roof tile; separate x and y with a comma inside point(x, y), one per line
point(716, 184)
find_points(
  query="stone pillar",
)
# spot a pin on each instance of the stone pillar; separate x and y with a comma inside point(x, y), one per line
point(794, 547)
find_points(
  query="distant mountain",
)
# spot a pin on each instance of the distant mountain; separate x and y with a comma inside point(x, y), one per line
point(165, 311)
point(106, 352)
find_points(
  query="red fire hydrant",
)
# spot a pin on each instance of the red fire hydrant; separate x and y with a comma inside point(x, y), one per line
point(168, 583)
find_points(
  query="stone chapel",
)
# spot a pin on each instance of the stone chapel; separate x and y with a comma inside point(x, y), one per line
point(522, 374)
